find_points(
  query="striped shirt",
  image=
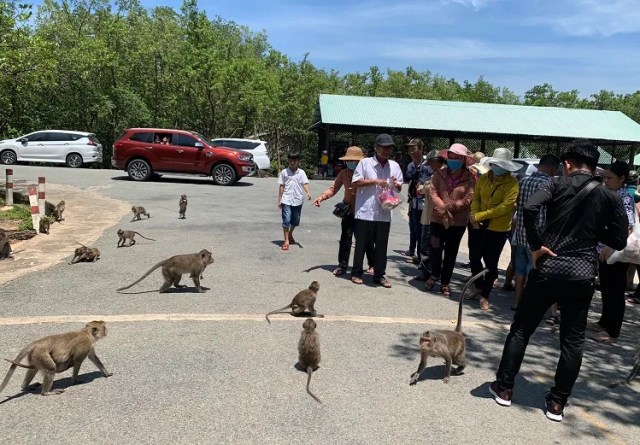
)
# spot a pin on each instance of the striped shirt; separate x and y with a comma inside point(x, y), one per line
point(528, 187)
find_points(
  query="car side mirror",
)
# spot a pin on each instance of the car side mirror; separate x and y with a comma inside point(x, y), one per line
point(199, 145)
point(22, 140)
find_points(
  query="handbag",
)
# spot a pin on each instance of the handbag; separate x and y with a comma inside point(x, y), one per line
point(342, 210)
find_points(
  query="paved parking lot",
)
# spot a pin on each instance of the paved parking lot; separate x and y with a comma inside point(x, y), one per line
point(207, 368)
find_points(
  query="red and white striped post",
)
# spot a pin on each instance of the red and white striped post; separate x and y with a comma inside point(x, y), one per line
point(9, 187)
point(41, 201)
point(33, 202)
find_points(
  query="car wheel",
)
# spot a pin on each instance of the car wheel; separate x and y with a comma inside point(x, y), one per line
point(139, 170)
point(223, 174)
point(8, 157)
point(74, 160)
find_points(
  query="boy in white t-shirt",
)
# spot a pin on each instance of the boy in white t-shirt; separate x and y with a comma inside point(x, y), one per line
point(293, 181)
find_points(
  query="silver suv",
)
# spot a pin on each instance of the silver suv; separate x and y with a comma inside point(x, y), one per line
point(256, 147)
point(73, 148)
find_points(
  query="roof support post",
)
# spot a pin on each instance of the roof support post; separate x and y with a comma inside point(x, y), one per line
point(483, 146)
point(516, 150)
point(452, 141)
point(632, 154)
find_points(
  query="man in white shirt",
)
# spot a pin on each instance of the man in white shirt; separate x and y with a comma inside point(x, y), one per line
point(293, 181)
point(373, 222)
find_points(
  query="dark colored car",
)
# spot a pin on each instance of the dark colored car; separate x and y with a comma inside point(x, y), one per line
point(141, 152)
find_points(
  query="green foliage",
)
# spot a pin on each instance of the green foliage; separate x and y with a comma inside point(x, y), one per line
point(104, 66)
point(19, 212)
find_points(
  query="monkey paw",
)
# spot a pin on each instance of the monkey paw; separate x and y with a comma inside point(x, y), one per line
point(414, 378)
point(55, 392)
point(445, 380)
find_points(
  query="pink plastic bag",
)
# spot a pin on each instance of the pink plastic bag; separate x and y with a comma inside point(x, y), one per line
point(389, 198)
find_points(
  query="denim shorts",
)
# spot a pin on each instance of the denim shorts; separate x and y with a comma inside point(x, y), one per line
point(291, 215)
point(523, 261)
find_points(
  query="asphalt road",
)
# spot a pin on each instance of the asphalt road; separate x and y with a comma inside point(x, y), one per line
point(206, 368)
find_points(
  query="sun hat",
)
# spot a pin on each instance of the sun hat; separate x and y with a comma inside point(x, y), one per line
point(384, 140)
point(461, 150)
point(502, 157)
point(325, 151)
point(353, 154)
point(478, 155)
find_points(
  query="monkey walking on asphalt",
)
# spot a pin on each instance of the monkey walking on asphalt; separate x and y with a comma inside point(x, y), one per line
point(57, 353)
point(123, 235)
point(173, 268)
point(85, 253)
point(137, 212)
point(183, 206)
point(632, 374)
point(309, 351)
point(446, 344)
point(303, 300)
point(45, 225)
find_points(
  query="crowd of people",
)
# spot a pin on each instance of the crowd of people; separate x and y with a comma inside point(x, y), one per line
point(562, 222)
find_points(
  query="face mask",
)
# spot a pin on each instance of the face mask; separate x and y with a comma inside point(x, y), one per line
point(498, 171)
point(454, 164)
point(351, 165)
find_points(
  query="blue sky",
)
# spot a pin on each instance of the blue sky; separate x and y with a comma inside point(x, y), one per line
point(588, 45)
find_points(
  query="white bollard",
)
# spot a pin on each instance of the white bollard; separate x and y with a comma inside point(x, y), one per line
point(35, 211)
point(9, 188)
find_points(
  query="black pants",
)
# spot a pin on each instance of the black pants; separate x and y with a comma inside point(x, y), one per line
point(415, 230)
point(613, 283)
point(366, 233)
point(425, 250)
point(447, 241)
point(538, 295)
point(346, 237)
point(485, 245)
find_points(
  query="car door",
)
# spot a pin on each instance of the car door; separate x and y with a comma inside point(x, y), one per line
point(187, 156)
point(56, 146)
point(33, 146)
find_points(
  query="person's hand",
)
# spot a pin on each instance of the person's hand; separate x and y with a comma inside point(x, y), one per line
point(279, 204)
point(536, 254)
point(382, 183)
point(605, 254)
point(308, 196)
point(395, 182)
point(472, 219)
point(475, 225)
point(317, 201)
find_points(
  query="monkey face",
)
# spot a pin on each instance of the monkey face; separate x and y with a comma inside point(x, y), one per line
point(98, 329)
point(206, 257)
point(309, 324)
point(426, 341)
point(314, 286)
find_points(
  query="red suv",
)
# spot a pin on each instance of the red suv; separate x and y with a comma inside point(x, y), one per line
point(144, 151)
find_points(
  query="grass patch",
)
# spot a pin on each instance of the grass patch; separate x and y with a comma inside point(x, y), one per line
point(21, 213)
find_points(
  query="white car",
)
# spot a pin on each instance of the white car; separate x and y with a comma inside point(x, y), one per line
point(73, 148)
point(256, 147)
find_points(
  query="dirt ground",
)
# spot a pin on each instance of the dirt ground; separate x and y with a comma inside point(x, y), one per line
point(87, 215)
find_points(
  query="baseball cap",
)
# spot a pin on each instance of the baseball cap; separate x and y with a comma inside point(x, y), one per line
point(384, 140)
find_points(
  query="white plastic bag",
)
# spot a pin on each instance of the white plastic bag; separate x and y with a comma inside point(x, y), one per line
point(631, 253)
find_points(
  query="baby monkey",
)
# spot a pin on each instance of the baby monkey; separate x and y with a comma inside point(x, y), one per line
point(303, 300)
point(309, 351)
point(123, 235)
point(5, 246)
point(137, 212)
point(57, 353)
point(183, 206)
point(446, 344)
point(45, 225)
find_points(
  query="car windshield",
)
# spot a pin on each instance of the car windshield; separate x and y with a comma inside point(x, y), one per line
point(198, 135)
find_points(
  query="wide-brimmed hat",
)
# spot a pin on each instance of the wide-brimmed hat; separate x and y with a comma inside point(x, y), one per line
point(502, 157)
point(353, 154)
point(461, 150)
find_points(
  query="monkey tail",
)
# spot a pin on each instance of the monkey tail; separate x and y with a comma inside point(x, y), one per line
point(142, 236)
point(309, 372)
point(20, 364)
point(143, 276)
point(14, 364)
point(81, 244)
point(277, 311)
point(464, 290)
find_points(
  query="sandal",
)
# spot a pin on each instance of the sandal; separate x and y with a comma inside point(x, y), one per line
point(339, 271)
point(384, 283)
point(633, 300)
point(285, 247)
point(430, 283)
point(604, 338)
point(356, 280)
point(445, 291)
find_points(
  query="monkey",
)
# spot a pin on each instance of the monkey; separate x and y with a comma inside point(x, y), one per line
point(303, 300)
point(5, 246)
point(137, 211)
point(57, 353)
point(45, 224)
point(183, 206)
point(632, 374)
point(58, 211)
point(129, 234)
point(446, 344)
point(309, 351)
point(173, 268)
point(85, 253)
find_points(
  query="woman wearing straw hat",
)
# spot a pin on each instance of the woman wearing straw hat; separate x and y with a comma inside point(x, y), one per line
point(451, 193)
point(351, 159)
point(491, 213)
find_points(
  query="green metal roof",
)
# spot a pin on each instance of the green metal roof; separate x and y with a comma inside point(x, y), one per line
point(476, 118)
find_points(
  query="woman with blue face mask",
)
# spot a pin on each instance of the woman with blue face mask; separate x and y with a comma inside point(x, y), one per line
point(492, 210)
point(350, 159)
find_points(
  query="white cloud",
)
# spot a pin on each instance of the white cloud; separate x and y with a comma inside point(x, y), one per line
point(475, 4)
point(592, 17)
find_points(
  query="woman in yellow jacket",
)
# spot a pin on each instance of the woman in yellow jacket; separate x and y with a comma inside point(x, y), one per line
point(492, 209)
